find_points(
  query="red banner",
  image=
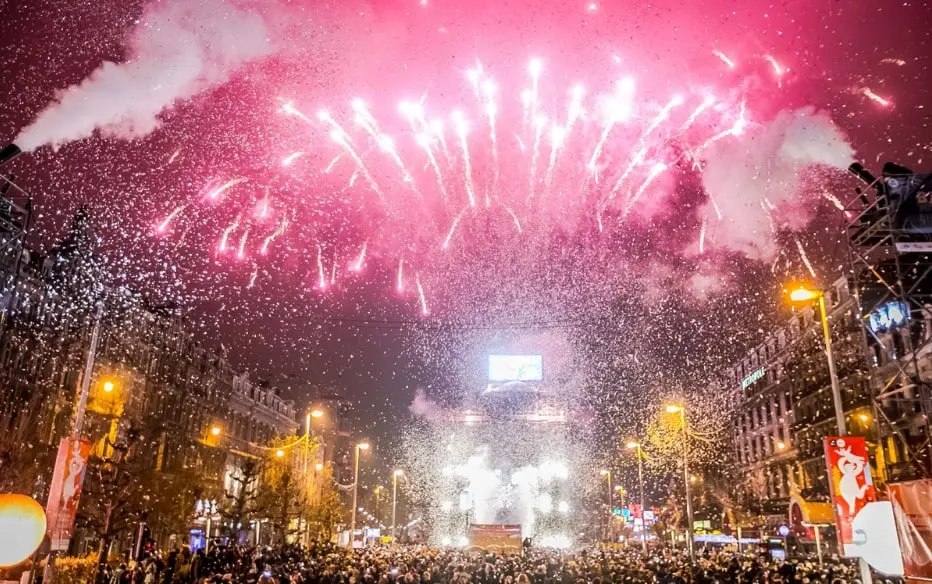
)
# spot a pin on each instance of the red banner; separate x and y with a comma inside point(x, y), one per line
point(850, 483)
point(65, 490)
point(912, 511)
point(494, 537)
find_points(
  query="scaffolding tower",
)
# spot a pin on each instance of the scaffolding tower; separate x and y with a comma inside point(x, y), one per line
point(888, 226)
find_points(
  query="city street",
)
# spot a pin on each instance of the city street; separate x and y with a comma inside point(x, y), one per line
point(445, 292)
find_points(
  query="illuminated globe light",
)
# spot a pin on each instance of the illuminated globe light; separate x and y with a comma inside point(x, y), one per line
point(22, 528)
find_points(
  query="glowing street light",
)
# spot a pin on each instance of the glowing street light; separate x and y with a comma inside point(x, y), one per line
point(215, 430)
point(280, 453)
point(679, 409)
point(109, 386)
point(319, 466)
point(636, 446)
point(805, 295)
point(359, 446)
point(317, 413)
point(397, 473)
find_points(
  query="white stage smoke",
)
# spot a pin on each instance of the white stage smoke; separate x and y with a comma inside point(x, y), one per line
point(756, 181)
point(179, 49)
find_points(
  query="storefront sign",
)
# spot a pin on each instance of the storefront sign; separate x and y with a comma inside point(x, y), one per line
point(750, 379)
point(65, 490)
point(850, 484)
point(912, 511)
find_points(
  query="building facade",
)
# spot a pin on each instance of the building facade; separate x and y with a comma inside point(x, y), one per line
point(150, 375)
point(782, 406)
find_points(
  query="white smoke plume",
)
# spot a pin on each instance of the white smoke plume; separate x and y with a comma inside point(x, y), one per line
point(178, 49)
point(424, 407)
point(758, 181)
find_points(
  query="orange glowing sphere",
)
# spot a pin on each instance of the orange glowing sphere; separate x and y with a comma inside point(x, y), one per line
point(22, 528)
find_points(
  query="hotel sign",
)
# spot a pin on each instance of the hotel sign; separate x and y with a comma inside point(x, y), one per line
point(750, 379)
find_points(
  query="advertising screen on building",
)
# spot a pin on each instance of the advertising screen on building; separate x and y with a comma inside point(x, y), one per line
point(516, 368)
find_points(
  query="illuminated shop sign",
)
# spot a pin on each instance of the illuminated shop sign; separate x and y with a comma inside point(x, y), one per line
point(750, 379)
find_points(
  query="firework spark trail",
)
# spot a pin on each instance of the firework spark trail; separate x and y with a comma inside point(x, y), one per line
point(354, 177)
point(270, 238)
point(325, 117)
point(174, 156)
point(491, 110)
point(575, 110)
point(436, 128)
point(264, 205)
point(838, 204)
point(805, 258)
point(333, 273)
point(414, 113)
point(736, 130)
point(869, 93)
point(515, 219)
point(655, 171)
point(226, 234)
point(357, 265)
point(473, 75)
point(420, 294)
point(619, 111)
point(321, 275)
point(252, 278)
point(288, 160)
point(708, 102)
point(333, 163)
point(291, 110)
point(702, 237)
point(163, 226)
point(400, 278)
point(340, 139)
point(718, 212)
point(539, 123)
point(461, 131)
point(893, 61)
point(767, 212)
point(423, 141)
point(778, 70)
point(527, 97)
point(364, 118)
point(388, 146)
point(241, 251)
point(215, 194)
point(456, 221)
point(724, 58)
point(557, 136)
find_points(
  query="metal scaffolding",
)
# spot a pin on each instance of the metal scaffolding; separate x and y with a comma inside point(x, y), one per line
point(889, 231)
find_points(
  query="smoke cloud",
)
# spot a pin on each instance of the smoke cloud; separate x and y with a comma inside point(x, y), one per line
point(424, 407)
point(757, 181)
point(179, 49)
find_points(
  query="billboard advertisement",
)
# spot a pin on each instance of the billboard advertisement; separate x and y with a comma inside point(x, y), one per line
point(912, 511)
point(495, 537)
point(850, 484)
point(516, 368)
point(65, 490)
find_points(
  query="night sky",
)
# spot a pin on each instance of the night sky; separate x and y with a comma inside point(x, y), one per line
point(636, 299)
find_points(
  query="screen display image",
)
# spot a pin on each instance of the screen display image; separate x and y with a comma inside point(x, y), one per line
point(516, 368)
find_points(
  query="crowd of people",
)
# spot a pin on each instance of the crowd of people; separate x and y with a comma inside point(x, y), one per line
point(326, 564)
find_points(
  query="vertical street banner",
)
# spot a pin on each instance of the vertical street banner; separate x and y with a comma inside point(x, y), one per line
point(65, 490)
point(850, 484)
point(912, 512)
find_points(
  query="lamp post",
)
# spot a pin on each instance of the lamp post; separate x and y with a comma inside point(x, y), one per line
point(636, 446)
point(395, 476)
point(678, 409)
point(608, 525)
point(359, 446)
point(802, 295)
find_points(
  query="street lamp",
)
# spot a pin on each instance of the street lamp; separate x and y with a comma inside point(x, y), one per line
point(679, 409)
point(803, 295)
point(215, 431)
point(280, 453)
point(608, 476)
point(395, 475)
point(359, 446)
point(109, 386)
point(317, 413)
point(636, 446)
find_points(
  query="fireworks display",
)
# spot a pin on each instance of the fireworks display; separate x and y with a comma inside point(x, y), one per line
point(350, 189)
